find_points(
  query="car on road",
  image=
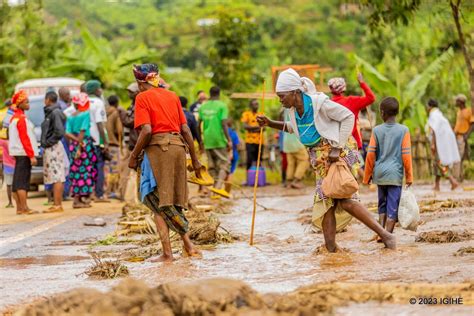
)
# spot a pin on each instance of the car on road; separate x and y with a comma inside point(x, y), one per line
point(36, 90)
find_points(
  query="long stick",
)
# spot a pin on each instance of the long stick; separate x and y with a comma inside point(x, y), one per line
point(255, 185)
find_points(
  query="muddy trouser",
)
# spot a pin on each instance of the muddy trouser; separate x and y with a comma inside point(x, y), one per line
point(124, 172)
point(298, 163)
point(218, 162)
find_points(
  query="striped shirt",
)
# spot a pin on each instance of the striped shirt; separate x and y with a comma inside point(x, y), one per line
point(389, 155)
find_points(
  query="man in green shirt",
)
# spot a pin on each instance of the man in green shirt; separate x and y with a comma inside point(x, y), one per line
point(213, 115)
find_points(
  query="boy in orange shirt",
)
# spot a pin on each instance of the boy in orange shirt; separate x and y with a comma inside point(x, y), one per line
point(388, 161)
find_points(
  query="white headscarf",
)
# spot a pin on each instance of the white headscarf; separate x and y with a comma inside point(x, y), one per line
point(289, 80)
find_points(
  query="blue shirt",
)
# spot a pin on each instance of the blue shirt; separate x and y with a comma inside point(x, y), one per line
point(80, 122)
point(388, 168)
point(309, 135)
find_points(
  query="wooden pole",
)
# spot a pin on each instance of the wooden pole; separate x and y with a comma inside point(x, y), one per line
point(255, 185)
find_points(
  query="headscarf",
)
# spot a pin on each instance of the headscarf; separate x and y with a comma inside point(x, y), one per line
point(337, 85)
point(82, 101)
point(461, 97)
point(19, 97)
point(290, 80)
point(148, 73)
point(92, 86)
point(133, 87)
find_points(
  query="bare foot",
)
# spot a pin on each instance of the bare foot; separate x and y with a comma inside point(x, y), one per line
point(193, 252)
point(390, 241)
point(163, 258)
point(375, 238)
point(324, 249)
point(454, 186)
point(436, 188)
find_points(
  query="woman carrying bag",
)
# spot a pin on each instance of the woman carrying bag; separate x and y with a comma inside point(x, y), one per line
point(324, 127)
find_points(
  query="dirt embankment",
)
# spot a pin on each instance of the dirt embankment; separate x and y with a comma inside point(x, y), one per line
point(232, 297)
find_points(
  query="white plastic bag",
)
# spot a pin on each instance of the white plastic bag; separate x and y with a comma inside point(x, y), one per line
point(408, 211)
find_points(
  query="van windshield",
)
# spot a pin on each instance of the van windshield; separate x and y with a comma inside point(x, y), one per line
point(36, 111)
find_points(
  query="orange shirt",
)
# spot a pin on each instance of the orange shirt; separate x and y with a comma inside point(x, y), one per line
point(161, 109)
point(463, 121)
point(250, 118)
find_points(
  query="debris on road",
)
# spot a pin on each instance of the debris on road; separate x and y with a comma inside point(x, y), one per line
point(233, 297)
point(448, 236)
point(106, 269)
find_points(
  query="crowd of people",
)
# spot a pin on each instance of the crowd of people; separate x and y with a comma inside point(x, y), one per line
point(95, 150)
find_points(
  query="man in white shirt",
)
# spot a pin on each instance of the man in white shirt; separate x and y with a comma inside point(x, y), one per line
point(98, 133)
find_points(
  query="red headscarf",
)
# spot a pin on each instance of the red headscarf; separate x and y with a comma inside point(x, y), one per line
point(19, 97)
point(82, 101)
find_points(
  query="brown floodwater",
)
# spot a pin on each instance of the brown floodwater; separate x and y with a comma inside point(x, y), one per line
point(286, 255)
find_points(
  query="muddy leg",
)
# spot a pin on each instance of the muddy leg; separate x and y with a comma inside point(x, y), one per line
point(21, 201)
point(9, 194)
point(390, 225)
point(362, 214)
point(163, 231)
point(382, 220)
point(437, 180)
point(58, 189)
point(329, 229)
point(454, 182)
point(17, 202)
point(189, 247)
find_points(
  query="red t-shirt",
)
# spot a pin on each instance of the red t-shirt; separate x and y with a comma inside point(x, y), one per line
point(355, 104)
point(161, 109)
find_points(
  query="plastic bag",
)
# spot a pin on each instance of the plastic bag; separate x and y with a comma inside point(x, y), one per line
point(339, 182)
point(408, 211)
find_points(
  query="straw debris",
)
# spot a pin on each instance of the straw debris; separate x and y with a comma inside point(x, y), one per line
point(106, 269)
point(448, 236)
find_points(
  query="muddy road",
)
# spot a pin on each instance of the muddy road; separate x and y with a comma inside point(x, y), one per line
point(43, 257)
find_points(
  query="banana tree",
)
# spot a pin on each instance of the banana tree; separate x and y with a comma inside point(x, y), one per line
point(96, 58)
point(409, 95)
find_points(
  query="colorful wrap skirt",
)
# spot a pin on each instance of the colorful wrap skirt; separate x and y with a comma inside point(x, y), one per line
point(319, 158)
point(83, 172)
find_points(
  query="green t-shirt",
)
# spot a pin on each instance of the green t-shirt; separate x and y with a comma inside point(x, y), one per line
point(211, 113)
point(76, 123)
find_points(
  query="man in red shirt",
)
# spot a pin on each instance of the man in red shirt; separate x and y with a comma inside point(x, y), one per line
point(165, 138)
point(352, 102)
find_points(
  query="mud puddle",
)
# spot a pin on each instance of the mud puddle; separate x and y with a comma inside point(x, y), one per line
point(22, 263)
point(283, 259)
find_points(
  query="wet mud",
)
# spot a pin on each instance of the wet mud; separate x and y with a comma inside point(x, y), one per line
point(232, 297)
point(287, 255)
point(444, 236)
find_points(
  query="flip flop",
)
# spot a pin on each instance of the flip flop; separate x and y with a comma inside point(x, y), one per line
point(27, 212)
point(221, 192)
point(54, 209)
point(205, 180)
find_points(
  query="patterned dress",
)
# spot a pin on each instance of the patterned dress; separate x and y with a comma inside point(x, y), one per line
point(83, 171)
point(319, 158)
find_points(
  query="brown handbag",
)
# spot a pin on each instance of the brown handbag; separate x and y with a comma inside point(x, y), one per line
point(339, 182)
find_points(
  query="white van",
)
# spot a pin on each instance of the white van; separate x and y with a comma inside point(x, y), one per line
point(41, 85)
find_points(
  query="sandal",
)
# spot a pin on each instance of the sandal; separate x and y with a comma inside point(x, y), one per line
point(205, 180)
point(54, 209)
point(27, 212)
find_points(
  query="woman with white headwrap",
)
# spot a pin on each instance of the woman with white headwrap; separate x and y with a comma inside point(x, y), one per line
point(324, 127)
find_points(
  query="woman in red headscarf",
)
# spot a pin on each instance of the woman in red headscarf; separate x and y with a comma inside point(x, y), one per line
point(83, 158)
point(24, 148)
